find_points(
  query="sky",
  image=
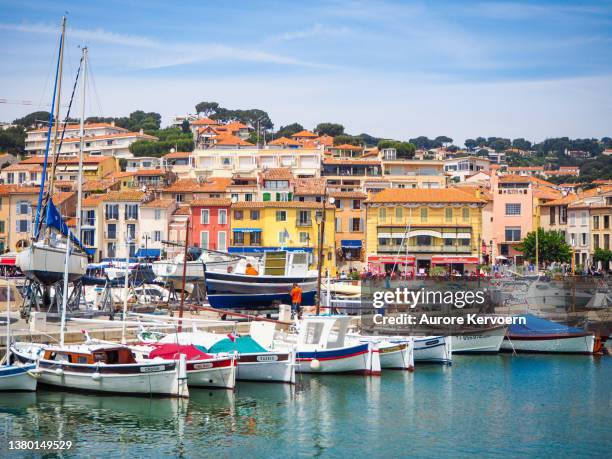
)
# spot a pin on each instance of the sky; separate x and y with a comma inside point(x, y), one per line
point(393, 69)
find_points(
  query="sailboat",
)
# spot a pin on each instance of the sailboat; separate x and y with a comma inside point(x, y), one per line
point(15, 377)
point(43, 261)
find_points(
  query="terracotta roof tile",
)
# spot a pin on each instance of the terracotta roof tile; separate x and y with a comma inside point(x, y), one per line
point(313, 186)
point(217, 184)
point(159, 203)
point(182, 210)
point(305, 133)
point(87, 126)
point(93, 200)
point(177, 154)
point(278, 173)
point(284, 141)
point(205, 122)
point(280, 205)
point(126, 195)
point(212, 202)
point(227, 139)
point(87, 159)
point(348, 195)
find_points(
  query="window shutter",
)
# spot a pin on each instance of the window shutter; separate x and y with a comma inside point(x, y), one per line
point(266, 196)
point(278, 198)
point(361, 224)
point(290, 197)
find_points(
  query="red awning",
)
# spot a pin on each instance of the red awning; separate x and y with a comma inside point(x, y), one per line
point(398, 259)
point(8, 260)
point(441, 260)
point(172, 351)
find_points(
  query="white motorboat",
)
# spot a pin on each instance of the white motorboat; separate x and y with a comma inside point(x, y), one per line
point(104, 368)
point(539, 335)
point(482, 342)
point(322, 346)
point(45, 263)
point(433, 349)
point(172, 270)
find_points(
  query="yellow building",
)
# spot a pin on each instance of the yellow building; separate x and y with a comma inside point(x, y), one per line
point(414, 230)
point(4, 216)
point(271, 225)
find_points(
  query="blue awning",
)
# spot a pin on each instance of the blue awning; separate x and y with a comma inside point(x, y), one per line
point(247, 230)
point(148, 253)
point(350, 243)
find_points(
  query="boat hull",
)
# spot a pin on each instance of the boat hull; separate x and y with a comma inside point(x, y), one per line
point(256, 300)
point(219, 373)
point(146, 379)
point(550, 344)
point(352, 359)
point(267, 367)
point(434, 349)
point(488, 342)
point(18, 378)
point(396, 356)
point(45, 264)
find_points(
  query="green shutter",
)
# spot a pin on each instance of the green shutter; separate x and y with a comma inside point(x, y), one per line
point(290, 197)
point(266, 196)
point(277, 197)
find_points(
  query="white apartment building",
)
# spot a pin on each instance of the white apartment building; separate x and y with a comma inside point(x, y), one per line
point(461, 168)
point(100, 139)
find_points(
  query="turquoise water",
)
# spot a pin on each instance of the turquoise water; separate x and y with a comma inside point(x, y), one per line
point(482, 406)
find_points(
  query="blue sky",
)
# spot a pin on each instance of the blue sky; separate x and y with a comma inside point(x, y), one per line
point(389, 68)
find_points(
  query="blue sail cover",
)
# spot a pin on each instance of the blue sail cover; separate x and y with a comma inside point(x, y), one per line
point(54, 220)
point(537, 326)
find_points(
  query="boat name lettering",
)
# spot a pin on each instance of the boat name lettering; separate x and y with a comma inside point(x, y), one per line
point(202, 366)
point(267, 358)
point(152, 369)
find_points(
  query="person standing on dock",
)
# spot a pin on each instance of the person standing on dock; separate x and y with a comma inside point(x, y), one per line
point(296, 300)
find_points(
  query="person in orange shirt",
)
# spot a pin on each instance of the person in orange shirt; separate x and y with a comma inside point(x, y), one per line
point(250, 271)
point(296, 300)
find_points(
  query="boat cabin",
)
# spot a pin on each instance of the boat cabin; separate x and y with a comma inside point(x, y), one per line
point(323, 332)
point(107, 355)
point(284, 263)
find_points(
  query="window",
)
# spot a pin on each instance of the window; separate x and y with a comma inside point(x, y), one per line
point(399, 213)
point(304, 218)
point(238, 215)
point(448, 214)
point(356, 224)
point(157, 214)
point(248, 197)
point(239, 237)
point(204, 216)
point(584, 239)
point(255, 238)
point(132, 249)
point(423, 240)
point(304, 238)
point(583, 218)
point(424, 214)
point(222, 217)
point(131, 211)
point(111, 231)
point(552, 215)
point(356, 204)
point(10, 178)
point(464, 242)
point(283, 237)
point(222, 241)
point(131, 231)
point(606, 221)
point(254, 215)
point(512, 234)
point(179, 197)
point(110, 250)
point(88, 237)
point(266, 197)
point(382, 214)
point(338, 225)
point(23, 226)
point(204, 239)
point(22, 177)
point(2, 226)
point(111, 212)
point(595, 241)
point(23, 208)
point(33, 176)
point(596, 222)
point(338, 203)
point(465, 214)
point(281, 215)
point(513, 209)
point(157, 236)
point(607, 241)
point(449, 242)
point(235, 197)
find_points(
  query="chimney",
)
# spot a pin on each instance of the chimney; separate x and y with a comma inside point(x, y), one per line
point(113, 123)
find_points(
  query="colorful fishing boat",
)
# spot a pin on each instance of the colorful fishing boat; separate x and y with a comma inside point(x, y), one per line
point(433, 349)
point(539, 335)
point(481, 342)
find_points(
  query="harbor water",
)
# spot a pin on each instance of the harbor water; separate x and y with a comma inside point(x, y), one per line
point(482, 406)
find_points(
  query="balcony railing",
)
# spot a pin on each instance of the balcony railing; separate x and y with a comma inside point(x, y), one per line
point(397, 248)
point(299, 222)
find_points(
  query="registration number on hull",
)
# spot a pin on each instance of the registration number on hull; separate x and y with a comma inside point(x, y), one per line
point(152, 369)
point(267, 358)
point(202, 366)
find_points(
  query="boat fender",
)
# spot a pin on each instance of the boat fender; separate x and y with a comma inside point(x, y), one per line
point(96, 376)
point(59, 371)
point(315, 364)
point(34, 374)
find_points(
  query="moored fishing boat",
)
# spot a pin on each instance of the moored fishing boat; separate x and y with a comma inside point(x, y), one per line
point(271, 284)
point(481, 342)
point(203, 369)
point(395, 353)
point(539, 335)
point(433, 349)
point(104, 368)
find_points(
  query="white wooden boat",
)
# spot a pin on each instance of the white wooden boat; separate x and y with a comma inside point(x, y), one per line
point(104, 368)
point(18, 378)
point(203, 370)
point(172, 270)
point(539, 335)
point(45, 263)
point(484, 342)
point(255, 362)
point(395, 353)
point(433, 349)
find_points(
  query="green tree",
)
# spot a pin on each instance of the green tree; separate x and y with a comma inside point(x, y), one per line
point(33, 119)
point(186, 127)
point(207, 108)
point(470, 144)
point(404, 150)
point(332, 129)
point(521, 144)
point(603, 255)
point(443, 139)
point(346, 139)
point(12, 140)
point(289, 130)
point(551, 246)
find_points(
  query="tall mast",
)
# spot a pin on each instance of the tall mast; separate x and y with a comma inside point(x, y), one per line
point(8, 321)
point(82, 143)
point(57, 121)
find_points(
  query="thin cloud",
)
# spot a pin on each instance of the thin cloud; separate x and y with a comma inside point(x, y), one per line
point(316, 31)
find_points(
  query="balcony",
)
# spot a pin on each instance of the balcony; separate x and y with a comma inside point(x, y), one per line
point(303, 223)
point(447, 249)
